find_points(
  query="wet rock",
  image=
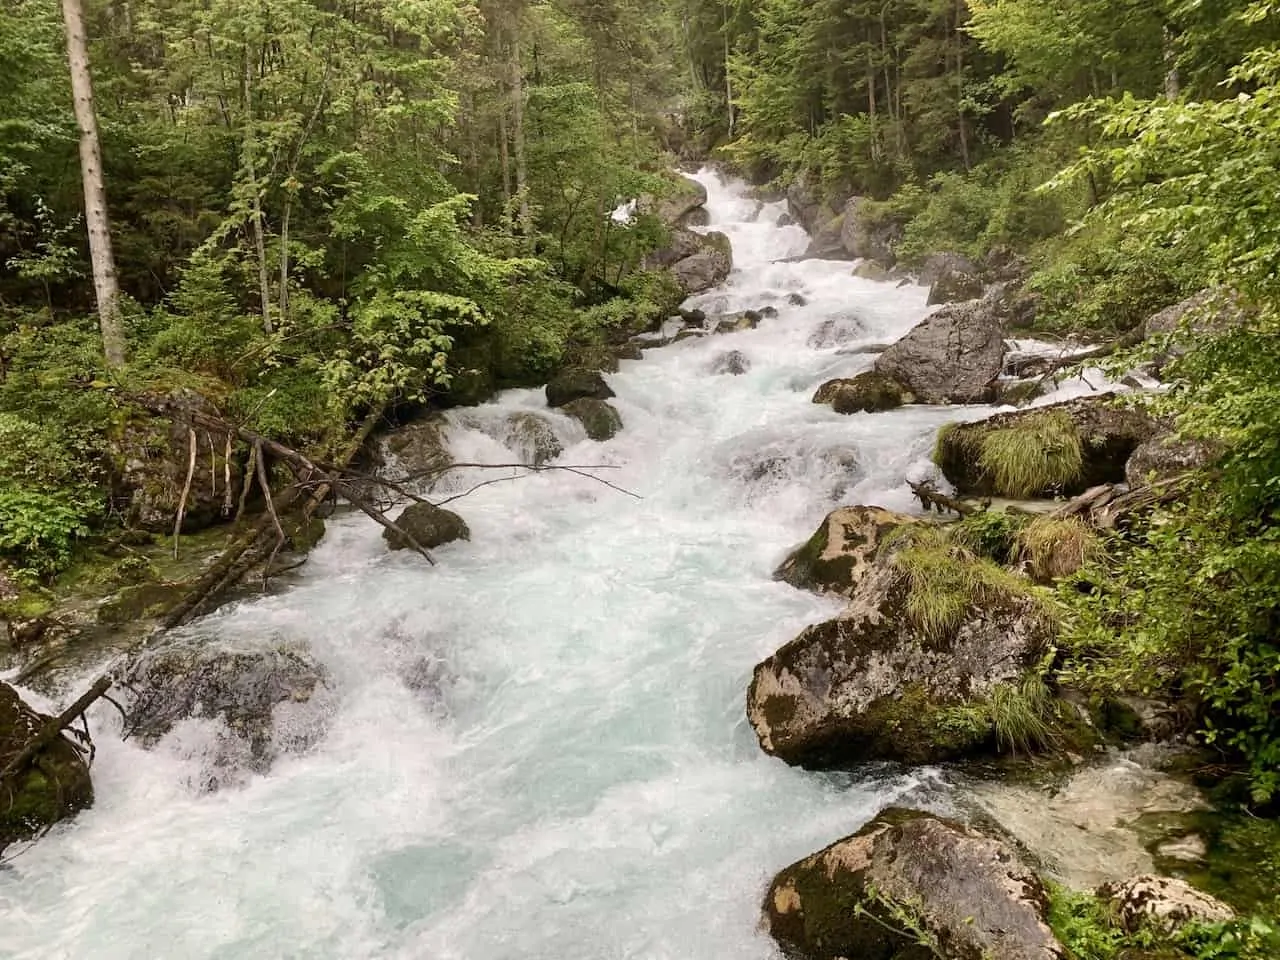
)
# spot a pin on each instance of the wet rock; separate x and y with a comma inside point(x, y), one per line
point(55, 785)
point(575, 384)
point(882, 681)
point(601, 421)
point(937, 266)
point(1166, 456)
point(270, 699)
point(835, 332)
point(697, 261)
point(155, 456)
point(429, 525)
point(1058, 450)
point(420, 448)
point(1016, 393)
point(683, 200)
point(734, 364)
point(797, 300)
point(868, 234)
point(534, 437)
point(786, 220)
point(1209, 313)
point(955, 280)
point(966, 892)
point(870, 392)
point(1089, 828)
point(870, 270)
point(1163, 904)
point(952, 357)
point(828, 240)
point(739, 322)
point(862, 350)
point(806, 205)
point(842, 551)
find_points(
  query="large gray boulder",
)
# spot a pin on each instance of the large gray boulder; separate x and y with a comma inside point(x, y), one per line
point(906, 877)
point(827, 242)
point(1210, 312)
point(908, 670)
point(867, 235)
point(270, 698)
point(707, 268)
point(954, 356)
point(53, 786)
point(419, 448)
point(955, 279)
point(680, 205)
point(155, 455)
point(1167, 455)
point(806, 205)
point(429, 525)
point(1059, 450)
point(575, 383)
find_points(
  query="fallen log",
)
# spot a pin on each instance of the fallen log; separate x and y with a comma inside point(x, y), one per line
point(53, 728)
point(931, 499)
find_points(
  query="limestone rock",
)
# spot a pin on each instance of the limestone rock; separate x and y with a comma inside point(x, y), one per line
point(734, 364)
point(707, 268)
point(867, 235)
point(842, 551)
point(53, 787)
point(576, 383)
point(968, 893)
point(429, 525)
point(1162, 903)
point(955, 282)
point(419, 447)
point(601, 421)
point(534, 437)
point(1165, 456)
point(952, 357)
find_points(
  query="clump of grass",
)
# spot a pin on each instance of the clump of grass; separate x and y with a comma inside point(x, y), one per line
point(945, 579)
point(1036, 455)
point(1023, 714)
point(990, 533)
point(1056, 548)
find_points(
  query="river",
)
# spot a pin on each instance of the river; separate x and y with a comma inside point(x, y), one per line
point(579, 782)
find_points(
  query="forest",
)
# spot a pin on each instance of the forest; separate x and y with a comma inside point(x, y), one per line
point(320, 216)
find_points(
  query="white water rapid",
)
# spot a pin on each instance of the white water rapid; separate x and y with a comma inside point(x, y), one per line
point(580, 783)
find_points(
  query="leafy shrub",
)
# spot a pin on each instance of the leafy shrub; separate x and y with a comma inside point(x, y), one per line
point(38, 529)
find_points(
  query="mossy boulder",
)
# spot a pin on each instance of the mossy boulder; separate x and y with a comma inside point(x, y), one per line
point(932, 637)
point(265, 698)
point(1059, 450)
point(420, 449)
point(142, 601)
point(842, 551)
point(953, 279)
point(600, 419)
point(870, 232)
point(429, 525)
point(870, 392)
point(575, 384)
point(55, 785)
point(954, 356)
point(908, 877)
point(682, 199)
point(1165, 456)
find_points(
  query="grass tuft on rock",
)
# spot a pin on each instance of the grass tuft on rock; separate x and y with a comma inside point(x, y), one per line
point(1023, 715)
point(946, 579)
point(1055, 548)
point(1038, 455)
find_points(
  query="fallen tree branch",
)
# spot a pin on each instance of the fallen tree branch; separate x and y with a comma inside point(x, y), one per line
point(931, 499)
point(53, 728)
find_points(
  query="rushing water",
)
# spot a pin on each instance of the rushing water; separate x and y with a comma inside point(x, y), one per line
point(580, 780)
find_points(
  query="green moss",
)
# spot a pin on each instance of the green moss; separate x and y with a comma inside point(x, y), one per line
point(29, 604)
point(921, 730)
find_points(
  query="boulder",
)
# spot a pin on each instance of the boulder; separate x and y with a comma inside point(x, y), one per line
point(952, 357)
point(908, 671)
point(734, 364)
point(269, 698)
point(955, 282)
point(1059, 450)
point(1210, 312)
point(709, 267)
point(576, 383)
point(1165, 456)
point(419, 448)
point(868, 235)
point(938, 265)
point(836, 332)
point(739, 322)
point(870, 392)
point(806, 206)
point(682, 201)
point(533, 437)
point(55, 785)
point(797, 300)
point(906, 877)
point(1163, 904)
point(155, 455)
point(601, 421)
point(429, 525)
point(828, 241)
point(838, 556)
point(870, 270)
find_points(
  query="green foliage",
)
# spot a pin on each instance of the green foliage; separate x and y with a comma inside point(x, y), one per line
point(1037, 454)
point(992, 534)
point(1054, 548)
point(38, 529)
point(1023, 714)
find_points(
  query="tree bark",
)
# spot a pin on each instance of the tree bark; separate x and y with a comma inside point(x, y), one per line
point(517, 122)
point(259, 240)
point(106, 286)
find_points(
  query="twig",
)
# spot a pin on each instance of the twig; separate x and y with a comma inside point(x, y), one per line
point(265, 484)
point(186, 490)
point(50, 731)
point(248, 481)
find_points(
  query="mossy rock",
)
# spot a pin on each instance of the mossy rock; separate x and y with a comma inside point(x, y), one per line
point(870, 392)
point(142, 602)
point(576, 384)
point(55, 786)
point(1060, 450)
point(841, 551)
point(905, 880)
point(429, 525)
point(601, 421)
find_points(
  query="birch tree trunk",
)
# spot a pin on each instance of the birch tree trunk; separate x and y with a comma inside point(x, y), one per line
point(106, 287)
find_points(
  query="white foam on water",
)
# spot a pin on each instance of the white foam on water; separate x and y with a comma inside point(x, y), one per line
point(578, 780)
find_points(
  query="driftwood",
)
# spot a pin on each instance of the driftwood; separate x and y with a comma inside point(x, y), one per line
point(1045, 366)
point(931, 499)
point(53, 728)
point(1114, 506)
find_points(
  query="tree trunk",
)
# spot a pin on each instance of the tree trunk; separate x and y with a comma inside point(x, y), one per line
point(106, 288)
point(517, 123)
point(728, 75)
point(1172, 79)
point(259, 241)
